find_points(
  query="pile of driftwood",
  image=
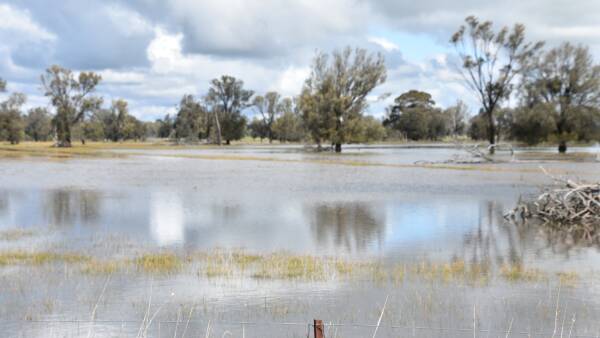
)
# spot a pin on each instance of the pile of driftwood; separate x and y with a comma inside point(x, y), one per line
point(574, 208)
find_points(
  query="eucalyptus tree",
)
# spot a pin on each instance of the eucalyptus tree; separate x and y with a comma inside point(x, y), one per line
point(71, 97)
point(414, 114)
point(490, 63)
point(165, 126)
point(269, 107)
point(227, 98)
point(11, 121)
point(335, 94)
point(566, 82)
point(457, 116)
point(288, 125)
point(191, 120)
point(2, 85)
point(38, 124)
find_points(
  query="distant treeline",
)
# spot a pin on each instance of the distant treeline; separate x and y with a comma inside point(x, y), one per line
point(555, 94)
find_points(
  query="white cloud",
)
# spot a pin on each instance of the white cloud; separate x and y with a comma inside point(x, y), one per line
point(14, 20)
point(152, 52)
point(383, 43)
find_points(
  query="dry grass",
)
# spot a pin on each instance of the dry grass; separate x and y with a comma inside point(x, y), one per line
point(162, 263)
point(15, 234)
point(518, 273)
point(19, 257)
point(104, 267)
point(287, 266)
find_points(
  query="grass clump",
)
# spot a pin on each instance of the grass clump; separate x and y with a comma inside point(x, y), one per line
point(15, 234)
point(568, 278)
point(159, 263)
point(97, 267)
point(517, 273)
point(285, 266)
point(39, 258)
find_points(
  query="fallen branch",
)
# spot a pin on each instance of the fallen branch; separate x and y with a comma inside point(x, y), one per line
point(574, 207)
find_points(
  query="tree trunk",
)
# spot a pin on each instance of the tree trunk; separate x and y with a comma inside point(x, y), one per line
point(338, 147)
point(63, 132)
point(218, 128)
point(562, 147)
point(227, 142)
point(491, 133)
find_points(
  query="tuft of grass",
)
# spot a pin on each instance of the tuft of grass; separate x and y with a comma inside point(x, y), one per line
point(218, 270)
point(39, 258)
point(516, 273)
point(109, 267)
point(159, 263)
point(15, 234)
point(568, 278)
point(286, 266)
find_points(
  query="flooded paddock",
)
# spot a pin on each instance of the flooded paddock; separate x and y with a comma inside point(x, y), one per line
point(259, 241)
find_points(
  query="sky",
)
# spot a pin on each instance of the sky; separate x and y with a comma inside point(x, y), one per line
point(152, 52)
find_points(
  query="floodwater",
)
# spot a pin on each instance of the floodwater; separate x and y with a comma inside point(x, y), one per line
point(272, 199)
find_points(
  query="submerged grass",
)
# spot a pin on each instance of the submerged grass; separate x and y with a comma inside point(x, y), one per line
point(288, 266)
point(518, 273)
point(163, 263)
point(19, 257)
point(104, 267)
point(15, 234)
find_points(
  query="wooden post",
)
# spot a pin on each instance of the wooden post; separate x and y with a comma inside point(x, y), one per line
point(318, 326)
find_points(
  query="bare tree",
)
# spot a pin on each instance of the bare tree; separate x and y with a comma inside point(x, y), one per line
point(71, 97)
point(491, 60)
point(457, 116)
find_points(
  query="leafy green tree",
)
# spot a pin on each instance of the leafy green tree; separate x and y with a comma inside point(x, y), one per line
point(532, 125)
point(269, 107)
point(233, 126)
point(288, 126)
point(587, 124)
point(414, 115)
point(257, 129)
point(11, 121)
point(92, 129)
point(120, 112)
point(491, 61)
point(227, 98)
point(71, 97)
point(38, 124)
point(165, 126)
point(478, 127)
point(566, 81)
point(368, 130)
point(335, 93)
point(106, 118)
point(133, 129)
point(192, 119)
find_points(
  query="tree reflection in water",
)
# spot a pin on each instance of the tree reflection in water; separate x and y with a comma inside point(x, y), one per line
point(69, 207)
point(353, 226)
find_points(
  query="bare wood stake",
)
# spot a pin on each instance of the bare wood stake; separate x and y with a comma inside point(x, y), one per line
point(318, 328)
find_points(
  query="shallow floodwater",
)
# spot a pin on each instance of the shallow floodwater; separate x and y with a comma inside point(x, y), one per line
point(281, 199)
